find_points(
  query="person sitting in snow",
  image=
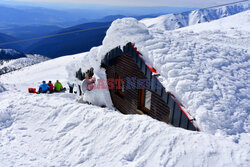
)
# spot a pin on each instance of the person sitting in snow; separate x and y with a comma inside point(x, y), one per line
point(58, 86)
point(51, 87)
point(43, 88)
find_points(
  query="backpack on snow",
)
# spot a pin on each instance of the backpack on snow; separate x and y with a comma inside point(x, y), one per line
point(32, 90)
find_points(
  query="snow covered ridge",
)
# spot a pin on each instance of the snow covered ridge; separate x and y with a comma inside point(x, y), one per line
point(239, 22)
point(16, 64)
point(207, 71)
point(8, 54)
point(175, 21)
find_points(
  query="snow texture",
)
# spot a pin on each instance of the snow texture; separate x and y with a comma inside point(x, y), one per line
point(1, 88)
point(206, 68)
point(56, 130)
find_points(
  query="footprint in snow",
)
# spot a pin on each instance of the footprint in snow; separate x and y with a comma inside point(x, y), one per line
point(69, 126)
point(40, 130)
point(26, 136)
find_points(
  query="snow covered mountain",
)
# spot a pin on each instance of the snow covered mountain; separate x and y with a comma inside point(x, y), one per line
point(175, 21)
point(14, 63)
point(8, 54)
point(206, 66)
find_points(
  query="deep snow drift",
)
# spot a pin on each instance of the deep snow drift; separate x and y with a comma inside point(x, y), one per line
point(207, 70)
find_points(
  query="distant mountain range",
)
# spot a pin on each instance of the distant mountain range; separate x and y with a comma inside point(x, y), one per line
point(24, 22)
point(36, 16)
point(11, 60)
point(71, 43)
point(27, 15)
point(175, 21)
point(77, 42)
point(7, 38)
point(83, 41)
point(27, 32)
point(62, 45)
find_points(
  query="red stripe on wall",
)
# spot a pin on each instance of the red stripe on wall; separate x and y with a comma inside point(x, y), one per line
point(152, 69)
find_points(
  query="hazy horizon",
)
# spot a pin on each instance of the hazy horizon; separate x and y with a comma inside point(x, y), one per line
point(83, 4)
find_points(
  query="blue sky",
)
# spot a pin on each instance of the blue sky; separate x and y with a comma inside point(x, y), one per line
point(177, 3)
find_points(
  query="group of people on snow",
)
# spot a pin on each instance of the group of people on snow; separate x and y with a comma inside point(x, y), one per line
point(84, 84)
point(85, 81)
point(49, 87)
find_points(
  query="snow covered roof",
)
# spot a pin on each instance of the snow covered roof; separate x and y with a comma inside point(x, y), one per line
point(208, 77)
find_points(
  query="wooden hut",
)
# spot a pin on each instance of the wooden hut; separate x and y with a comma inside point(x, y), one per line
point(137, 90)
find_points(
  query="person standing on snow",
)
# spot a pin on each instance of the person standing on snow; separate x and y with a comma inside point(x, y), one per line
point(58, 86)
point(79, 77)
point(71, 87)
point(43, 88)
point(51, 87)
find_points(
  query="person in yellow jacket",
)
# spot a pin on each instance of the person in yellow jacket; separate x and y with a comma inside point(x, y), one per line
point(58, 86)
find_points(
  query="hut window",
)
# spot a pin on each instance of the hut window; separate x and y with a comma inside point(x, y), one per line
point(145, 97)
point(119, 86)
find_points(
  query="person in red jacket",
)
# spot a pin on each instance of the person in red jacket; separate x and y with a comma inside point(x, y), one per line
point(51, 87)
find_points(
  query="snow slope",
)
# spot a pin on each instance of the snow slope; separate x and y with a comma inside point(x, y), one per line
point(56, 130)
point(175, 21)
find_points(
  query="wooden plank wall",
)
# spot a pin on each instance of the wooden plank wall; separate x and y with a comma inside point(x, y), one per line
point(163, 107)
point(128, 104)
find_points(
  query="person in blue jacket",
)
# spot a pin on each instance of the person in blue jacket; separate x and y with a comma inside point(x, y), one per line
point(43, 88)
